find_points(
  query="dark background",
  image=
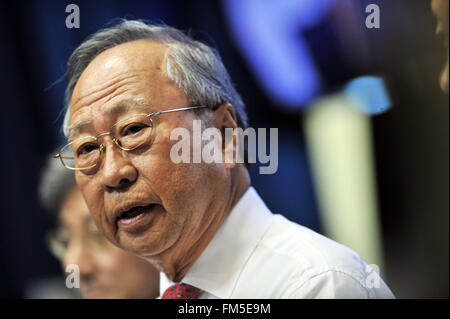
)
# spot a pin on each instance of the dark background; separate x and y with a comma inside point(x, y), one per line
point(411, 139)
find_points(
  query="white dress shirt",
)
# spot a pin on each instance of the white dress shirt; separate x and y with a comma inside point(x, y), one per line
point(256, 254)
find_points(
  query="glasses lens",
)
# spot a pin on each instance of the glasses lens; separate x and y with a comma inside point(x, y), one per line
point(82, 153)
point(67, 156)
point(133, 132)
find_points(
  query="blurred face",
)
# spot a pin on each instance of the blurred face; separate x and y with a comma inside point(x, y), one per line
point(440, 10)
point(105, 270)
point(140, 199)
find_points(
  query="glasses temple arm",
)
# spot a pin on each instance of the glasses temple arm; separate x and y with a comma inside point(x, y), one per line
point(177, 110)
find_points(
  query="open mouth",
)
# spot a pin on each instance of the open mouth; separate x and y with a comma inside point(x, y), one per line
point(134, 215)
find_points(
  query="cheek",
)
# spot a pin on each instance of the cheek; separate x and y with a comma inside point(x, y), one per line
point(179, 187)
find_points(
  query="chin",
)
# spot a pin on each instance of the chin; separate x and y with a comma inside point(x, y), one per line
point(147, 244)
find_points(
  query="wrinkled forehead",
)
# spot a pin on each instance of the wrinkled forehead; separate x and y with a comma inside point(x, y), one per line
point(133, 71)
point(141, 62)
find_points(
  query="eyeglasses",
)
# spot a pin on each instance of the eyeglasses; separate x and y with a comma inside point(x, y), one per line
point(84, 153)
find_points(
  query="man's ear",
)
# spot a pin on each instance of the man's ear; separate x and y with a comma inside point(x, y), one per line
point(225, 118)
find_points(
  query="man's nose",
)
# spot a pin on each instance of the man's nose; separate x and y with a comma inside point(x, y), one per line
point(117, 171)
point(80, 255)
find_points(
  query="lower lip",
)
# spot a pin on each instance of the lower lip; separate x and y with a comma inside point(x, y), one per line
point(131, 224)
point(132, 220)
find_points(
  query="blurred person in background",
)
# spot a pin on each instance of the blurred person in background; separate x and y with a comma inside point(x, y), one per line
point(440, 10)
point(202, 224)
point(105, 270)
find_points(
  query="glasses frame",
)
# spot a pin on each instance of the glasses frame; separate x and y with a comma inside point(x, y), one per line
point(116, 141)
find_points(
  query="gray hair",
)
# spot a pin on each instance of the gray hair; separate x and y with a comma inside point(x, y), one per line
point(56, 183)
point(193, 66)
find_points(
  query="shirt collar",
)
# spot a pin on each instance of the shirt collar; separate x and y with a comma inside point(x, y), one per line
point(218, 268)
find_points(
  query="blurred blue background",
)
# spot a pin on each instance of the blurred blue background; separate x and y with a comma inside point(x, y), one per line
point(314, 48)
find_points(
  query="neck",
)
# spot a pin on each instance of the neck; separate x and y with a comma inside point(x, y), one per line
point(177, 265)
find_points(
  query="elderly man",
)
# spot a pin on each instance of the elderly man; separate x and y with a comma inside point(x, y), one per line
point(202, 224)
point(77, 240)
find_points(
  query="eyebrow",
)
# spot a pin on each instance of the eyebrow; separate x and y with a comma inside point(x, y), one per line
point(118, 108)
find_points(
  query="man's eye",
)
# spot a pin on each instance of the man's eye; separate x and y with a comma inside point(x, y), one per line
point(86, 149)
point(133, 129)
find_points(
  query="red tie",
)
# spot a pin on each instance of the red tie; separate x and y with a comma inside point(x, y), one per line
point(181, 291)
